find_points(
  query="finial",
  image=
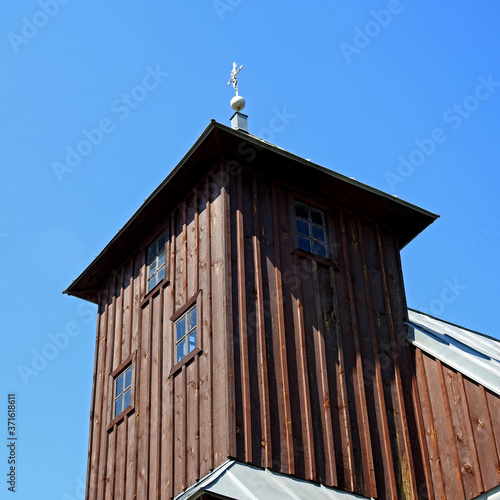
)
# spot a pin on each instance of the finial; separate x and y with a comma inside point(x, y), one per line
point(237, 102)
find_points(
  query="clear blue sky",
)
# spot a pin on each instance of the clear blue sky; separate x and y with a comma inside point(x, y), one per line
point(402, 95)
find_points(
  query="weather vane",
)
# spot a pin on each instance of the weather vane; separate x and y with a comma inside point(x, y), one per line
point(237, 102)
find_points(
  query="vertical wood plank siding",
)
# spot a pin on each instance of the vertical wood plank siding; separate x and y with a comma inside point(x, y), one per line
point(179, 428)
point(462, 430)
point(328, 399)
point(304, 366)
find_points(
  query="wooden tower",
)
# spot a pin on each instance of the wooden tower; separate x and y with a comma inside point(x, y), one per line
point(253, 309)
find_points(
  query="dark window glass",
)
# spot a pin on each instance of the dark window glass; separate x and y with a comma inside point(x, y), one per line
point(123, 389)
point(156, 262)
point(304, 243)
point(185, 334)
point(126, 398)
point(301, 211)
point(302, 227)
point(319, 249)
point(318, 233)
point(317, 217)
point(311, 229)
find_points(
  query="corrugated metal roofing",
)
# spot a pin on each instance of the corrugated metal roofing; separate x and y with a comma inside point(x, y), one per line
point(246, 482)
point(493, 494)
point(471, 353)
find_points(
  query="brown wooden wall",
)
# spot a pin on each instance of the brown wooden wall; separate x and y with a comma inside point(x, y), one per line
point(179, 429)
point(324, 377)
point(462, 430)
point(304, 365)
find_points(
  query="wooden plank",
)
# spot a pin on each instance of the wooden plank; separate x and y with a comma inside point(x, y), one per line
point(444, 437)
point(365, 475)
point(394, 274)
point(180, 431)
point(191, 246)
point(360, 348)
point(308, 302)
point(242, 326)
point(462, 431)
point(483, 433)
point(336, 302)
point(137, 290)
point(249, 348)
point(127, 309)
point(429, 425)
point(121, 459)
point(406, 465)
point(381, 439)
point(287, 462)
point(192, 422)
point(117, 328)
point(143, 413)
point(107, 344)
point(227, 321)
point(109, 484)
point(167, 386)
point(493, 401)
point(330, 473)
point(263, 382)
point(180, 277)
point(303, 379)
point(205, 266)
point(96, 414)
point(289, 287)
point(155, 391)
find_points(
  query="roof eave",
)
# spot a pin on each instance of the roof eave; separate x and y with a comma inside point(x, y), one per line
point(407, 219)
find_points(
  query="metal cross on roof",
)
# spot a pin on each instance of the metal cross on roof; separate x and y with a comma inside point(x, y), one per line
point(234, 79)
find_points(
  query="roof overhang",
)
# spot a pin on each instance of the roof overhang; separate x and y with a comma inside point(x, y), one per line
point(237, 481)
point(219, 142)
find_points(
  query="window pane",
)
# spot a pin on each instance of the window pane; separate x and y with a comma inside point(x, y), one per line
point(161, 242)
point(304, 243)
point(317, 217)
point(126, 398)
point(192, 340)
point(119, 385)
point(191, 319)
point(152, 269)
point(301, 211)
point(180, 328)
point(151, 283)
point(118, 406)
point(302, 227)
point(318, 233)
point(151, 254)
point(181, 350)
point(161, 274)
point(128, 377)
point(161, 257)
point(320, 249)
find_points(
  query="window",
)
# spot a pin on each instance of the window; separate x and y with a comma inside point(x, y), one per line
point(311, 229)
point(185, 334)
point(156, 262)
point(123, 389)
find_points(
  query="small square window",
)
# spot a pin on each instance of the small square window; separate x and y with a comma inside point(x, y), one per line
point(185, 334)
point(122, 391)
point(156, 263)
point(311, 229)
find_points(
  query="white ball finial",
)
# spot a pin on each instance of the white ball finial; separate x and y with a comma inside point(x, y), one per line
point(238, 103)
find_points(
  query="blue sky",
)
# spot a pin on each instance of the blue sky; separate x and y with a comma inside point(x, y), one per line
point(402, 95)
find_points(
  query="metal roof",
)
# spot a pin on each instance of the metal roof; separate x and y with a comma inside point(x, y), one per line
point(471, 353)
point(493, 494)
point(235, 480)
point(219, 142)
